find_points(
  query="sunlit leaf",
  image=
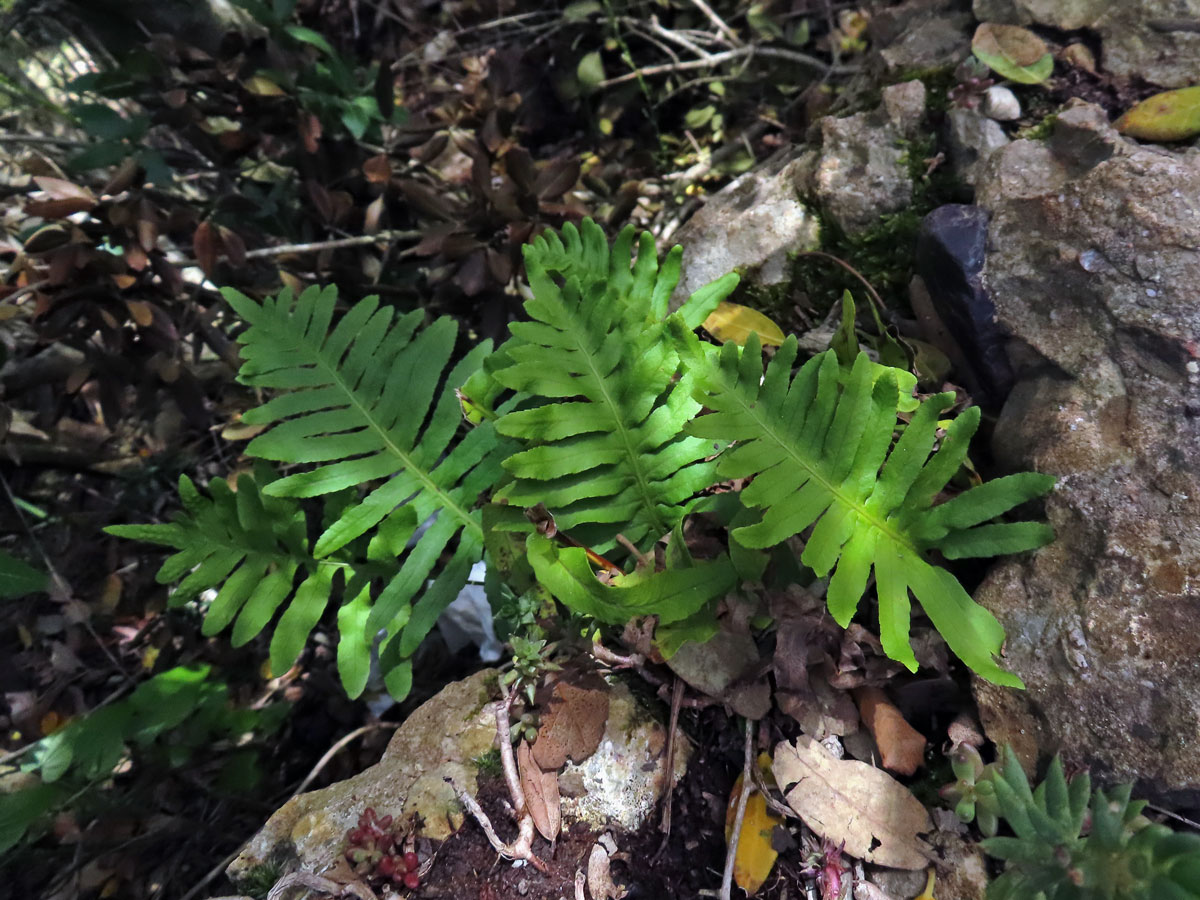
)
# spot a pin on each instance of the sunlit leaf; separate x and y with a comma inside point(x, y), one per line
point(1013, 52)
point(1169, 116)
point(734, 322)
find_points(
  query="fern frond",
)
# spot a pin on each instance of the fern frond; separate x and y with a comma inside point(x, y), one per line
point(604, 411)
point(369, 403)
point(819, 447)
point(251, 546)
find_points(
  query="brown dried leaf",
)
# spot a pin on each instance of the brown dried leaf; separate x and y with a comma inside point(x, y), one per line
point(901, 747)
point(309, 127)
point(122, 178)
point(235, 247)
point(372, 215)
point(142, 312)
point(320, 199)
point(557, 178)
point(57, 207)
point(61, 189)
point(204, 245)
point(541, 794)
point(572, 725)
point(378, 169)
point(852, 802)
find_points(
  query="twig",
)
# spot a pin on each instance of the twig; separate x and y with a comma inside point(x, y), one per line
point(360, 240)
point(853, 271)
point(718, 21)
point(743, 796)
point(668, 800)
point(337, 748)
point(319, 883)
point(211, 875)
point(28, 289)
point(579, 880)
point(743, 52)
point(611, 658)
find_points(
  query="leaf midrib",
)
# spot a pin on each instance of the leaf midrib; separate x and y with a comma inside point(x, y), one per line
point(447, 501)
point(839, 495)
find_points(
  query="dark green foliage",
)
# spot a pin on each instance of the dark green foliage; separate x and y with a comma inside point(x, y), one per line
point(169, 716)
point(1070, 844)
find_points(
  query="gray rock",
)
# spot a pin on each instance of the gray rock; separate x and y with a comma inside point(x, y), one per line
point(1093, 272)
point(921, 34)
point(949, 259)
point(750, 226)
point(1136, 35)
point(973, 138)
point(861, 171)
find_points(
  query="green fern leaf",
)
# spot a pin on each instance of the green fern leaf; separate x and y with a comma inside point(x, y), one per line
point(603, 410)
point(672, 595)
point(369, 404)
point(819, 447)
point(250, 546)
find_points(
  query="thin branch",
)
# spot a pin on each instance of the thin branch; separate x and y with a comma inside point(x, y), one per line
point(743, 796)
point(743, 52)
point(853, 271)
point(668, 800)
point(337, 748)
point(360, 240)
point(718, 21)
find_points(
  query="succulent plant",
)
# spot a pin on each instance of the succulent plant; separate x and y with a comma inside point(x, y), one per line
point(380, 850)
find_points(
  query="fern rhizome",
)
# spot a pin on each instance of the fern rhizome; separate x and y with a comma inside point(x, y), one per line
point(607, 409)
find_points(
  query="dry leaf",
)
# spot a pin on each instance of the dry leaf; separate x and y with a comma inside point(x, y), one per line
point(1013, 52)
point(599, 878)
point(846, 800)
point(378, 169)
point(142, 312)
point(756, 853)
point(262, 86)
point(1169, 116)
point(572, 725)
point(541, 794)
point(901, 747)
point(204, 245)
point(734, 322)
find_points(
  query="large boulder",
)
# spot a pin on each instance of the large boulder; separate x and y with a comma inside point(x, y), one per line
point(1093, 262)
point(1152, 39)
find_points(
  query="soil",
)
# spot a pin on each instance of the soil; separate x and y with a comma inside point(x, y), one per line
point(467, 868)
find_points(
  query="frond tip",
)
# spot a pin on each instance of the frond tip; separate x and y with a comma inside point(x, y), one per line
point(820, 449)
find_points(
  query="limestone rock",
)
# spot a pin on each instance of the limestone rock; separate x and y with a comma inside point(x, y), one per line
point(623, 781)
point(1093, 258)
point(750, 226)
point(921, 34)
point(441, 738)
point(861, 171)
point(973, 138)
point(1136, 35)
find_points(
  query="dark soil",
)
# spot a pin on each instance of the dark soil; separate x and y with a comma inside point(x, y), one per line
point(467, 868)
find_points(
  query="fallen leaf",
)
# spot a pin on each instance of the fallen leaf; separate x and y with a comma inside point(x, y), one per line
point(261, 86)
point(849, 801)
point(378, 169)
point(599, 878)
point(141, 311)
point(901, 747)
point(1013, 52)
point(572, 724)
point(541, 794)
point(756, 853)
point(204, 245)
point(1169, 116)
point(734, 322)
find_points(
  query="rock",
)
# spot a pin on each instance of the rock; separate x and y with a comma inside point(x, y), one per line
point(622, 782)
point(1139, 37)
point(949, 259)
point(750, 226)
point(973, 138)
point(921, 34)
point(861, 170)
point(441, 738)
point(1000, 103)
point(1093, 259)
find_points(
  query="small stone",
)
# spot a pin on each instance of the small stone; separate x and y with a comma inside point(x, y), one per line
point(973, 139)
point(1000, 103)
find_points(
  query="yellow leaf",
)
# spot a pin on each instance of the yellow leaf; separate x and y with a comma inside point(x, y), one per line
point(263, 87)
point(755, 855)
point(1169, 116)
point(927, 894)
point(150, 657)
point(734, 322)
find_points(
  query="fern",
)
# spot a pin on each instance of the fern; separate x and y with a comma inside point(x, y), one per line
point(366, 405)
point(1071, 844)
point(821, 454)
point(603, 411)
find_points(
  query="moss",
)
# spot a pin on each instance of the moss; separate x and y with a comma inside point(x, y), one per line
point(488, 765)
point(1040, 131)
point(258, 881)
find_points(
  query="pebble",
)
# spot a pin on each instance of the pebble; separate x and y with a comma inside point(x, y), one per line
point(1001, 104)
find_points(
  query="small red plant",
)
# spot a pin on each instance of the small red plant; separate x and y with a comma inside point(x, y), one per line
point(379, 851)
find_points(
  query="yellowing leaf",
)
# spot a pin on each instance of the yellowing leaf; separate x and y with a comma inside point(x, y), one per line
point(1013, 52)
point(734, 322)
point(1169, 116)
point(263, 87)
point(755, 854)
